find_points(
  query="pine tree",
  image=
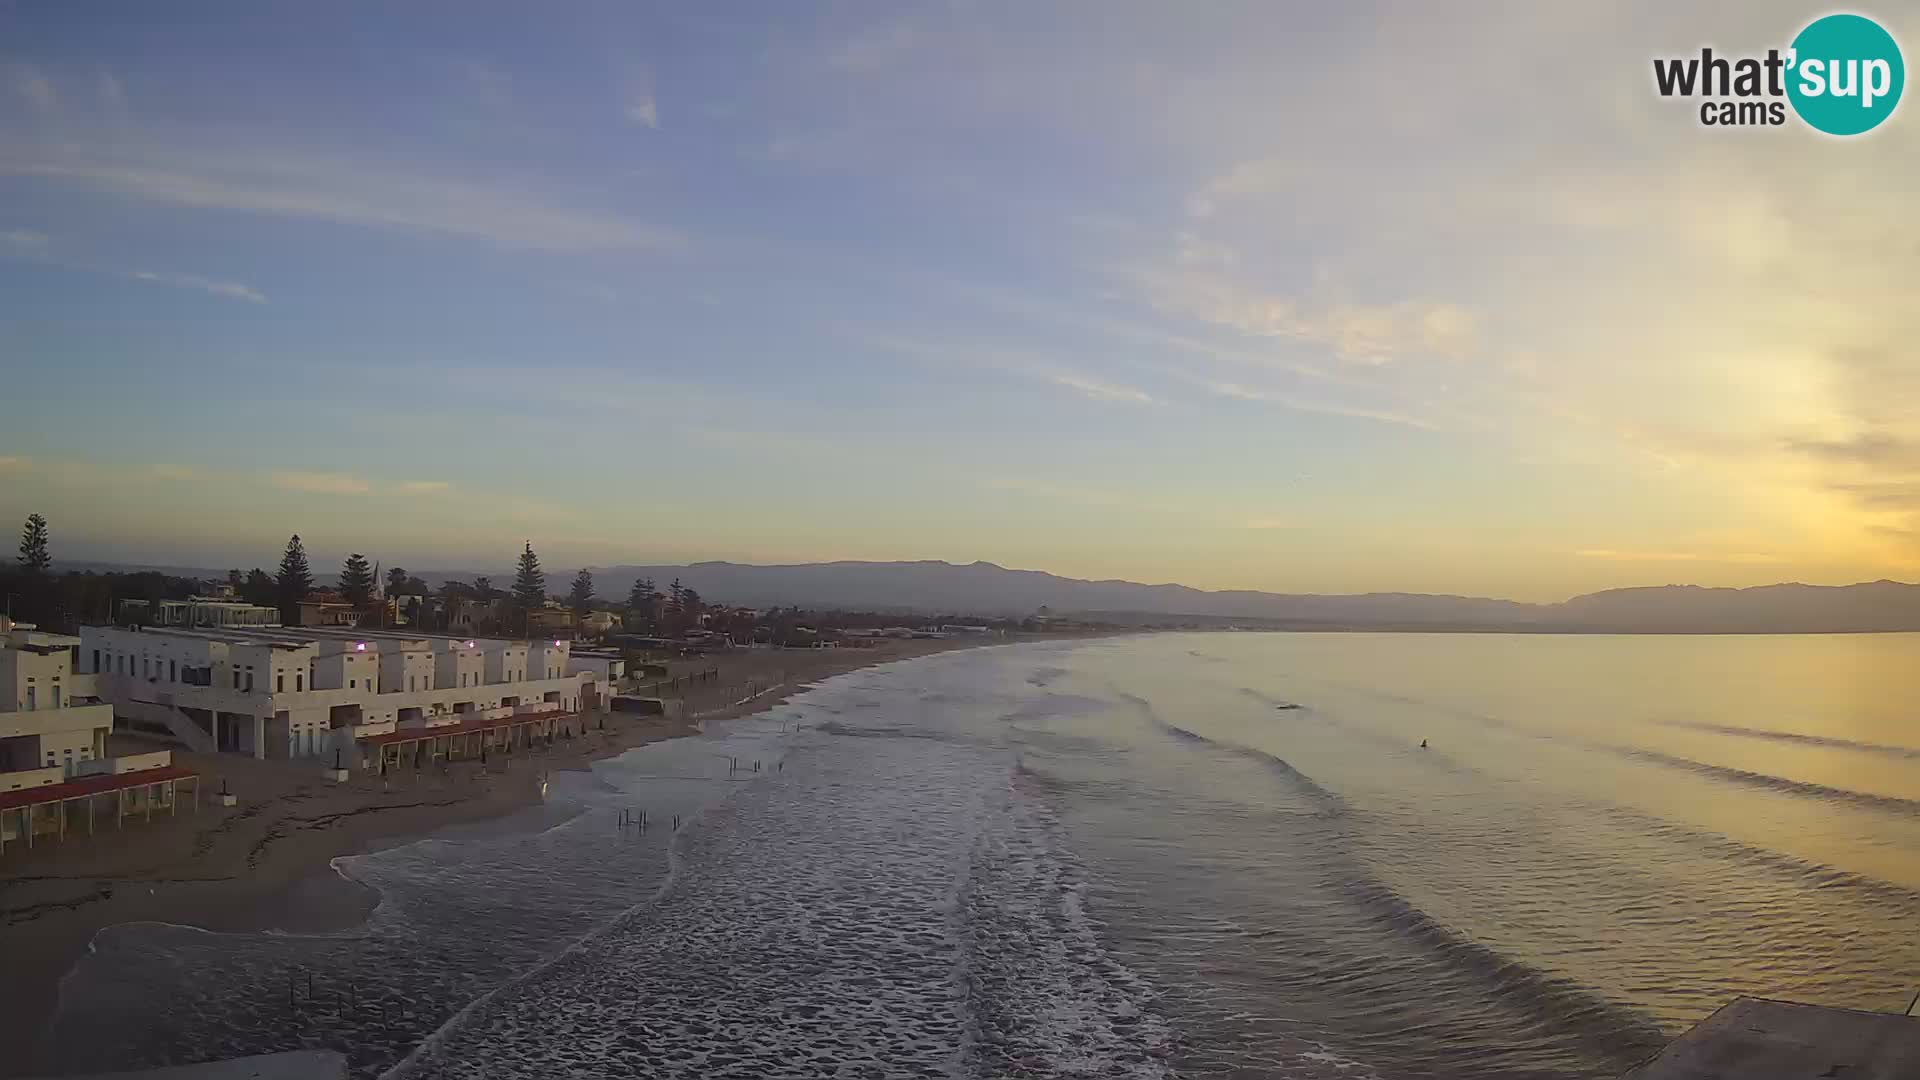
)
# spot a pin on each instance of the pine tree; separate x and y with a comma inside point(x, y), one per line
point(259, 589)
point(33, 546)
point(676, 597)
point(356, 580)
point(295, 581)
point(641, 592)
point(529, 584)
point(580, 597)
point(396, 581)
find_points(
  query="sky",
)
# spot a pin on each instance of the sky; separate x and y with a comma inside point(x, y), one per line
point(1297, 297)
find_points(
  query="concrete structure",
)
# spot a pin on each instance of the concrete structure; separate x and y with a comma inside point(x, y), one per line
point(51, 718)
point(311, 692)
point(135, 785)
point(1757, 1039)
point(605, 665)
point(204, 611)
point(327, 613)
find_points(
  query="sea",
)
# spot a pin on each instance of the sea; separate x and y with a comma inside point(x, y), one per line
point(1200, 855)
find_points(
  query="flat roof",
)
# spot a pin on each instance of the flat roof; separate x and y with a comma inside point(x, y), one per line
point(465, 727)
point(91, 785)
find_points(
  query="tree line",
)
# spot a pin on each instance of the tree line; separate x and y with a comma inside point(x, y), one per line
point(34, 593)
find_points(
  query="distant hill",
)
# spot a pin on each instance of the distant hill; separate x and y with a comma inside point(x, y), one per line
point(1873, 605)
point(986, 589)
point(982, 588)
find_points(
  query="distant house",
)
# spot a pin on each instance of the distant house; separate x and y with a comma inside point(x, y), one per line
point(599, 622)
point(328, 613)
point(547, 620)
point(473, 616)
point(198, 611)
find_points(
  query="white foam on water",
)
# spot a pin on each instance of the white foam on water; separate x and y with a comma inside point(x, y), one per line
point(884, 903)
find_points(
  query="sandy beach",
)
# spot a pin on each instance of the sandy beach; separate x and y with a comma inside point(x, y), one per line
point(265, 863)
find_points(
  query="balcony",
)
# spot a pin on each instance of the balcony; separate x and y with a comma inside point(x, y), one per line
point(55, 721)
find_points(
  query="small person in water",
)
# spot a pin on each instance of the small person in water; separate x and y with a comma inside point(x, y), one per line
point(1423, 744)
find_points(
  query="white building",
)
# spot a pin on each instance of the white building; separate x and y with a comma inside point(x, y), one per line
point(50, 718)
point(309, 692)
point(209, 611)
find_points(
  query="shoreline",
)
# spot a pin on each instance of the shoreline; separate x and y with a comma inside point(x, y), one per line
point(268, 863)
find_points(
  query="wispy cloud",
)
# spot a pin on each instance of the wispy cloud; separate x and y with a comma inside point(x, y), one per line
point(1023, 362)
point(113, 96)
point(1097, 389)
point(1298, 403)
point(13, 463)
point(1199, 285)
point(423, 487)
point(643, 110)
point(173, 472)
point(33, 87)
point(348, 194)
point(1615, 555)
point(34, 247)
point(638, 103)
point(232, 290)
point(321, 483)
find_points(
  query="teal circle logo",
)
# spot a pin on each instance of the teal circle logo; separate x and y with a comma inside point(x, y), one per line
point(1845, 74)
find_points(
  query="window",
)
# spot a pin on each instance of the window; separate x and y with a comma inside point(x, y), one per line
point(299, 681)
point(56, 697)
point(353, 684)
point(236, 678)
point(172, 672)
point(30, 699)
point(249, 680)
point(279, 682)
point(96, 659)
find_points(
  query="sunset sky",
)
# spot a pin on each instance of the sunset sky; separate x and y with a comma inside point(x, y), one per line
point(1295, 297)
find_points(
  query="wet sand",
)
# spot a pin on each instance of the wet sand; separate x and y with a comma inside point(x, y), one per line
point(265, 863)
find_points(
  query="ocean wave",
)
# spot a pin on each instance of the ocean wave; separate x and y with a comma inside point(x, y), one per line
point(1886, 750)
point(1804, 788)
point(1272, 762)
point(1542, 995)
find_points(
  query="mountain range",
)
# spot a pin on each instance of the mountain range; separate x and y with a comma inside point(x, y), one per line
point(985, 589)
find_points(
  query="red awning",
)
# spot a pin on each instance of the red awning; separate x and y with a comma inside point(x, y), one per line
point(91, 785)
point(464, 727)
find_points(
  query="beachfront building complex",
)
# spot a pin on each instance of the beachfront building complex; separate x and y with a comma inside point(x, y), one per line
point(56, 774)
point(51, 718)
point(316, 692)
